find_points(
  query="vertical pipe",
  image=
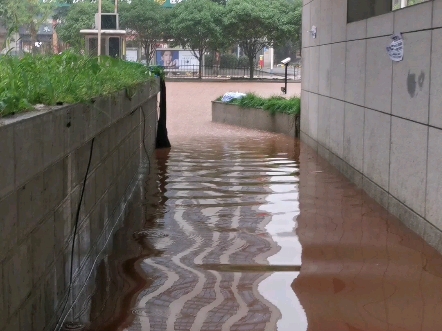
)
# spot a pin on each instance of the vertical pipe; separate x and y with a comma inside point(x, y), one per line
point(404, 3)
point(99, 30)
point(271, 58)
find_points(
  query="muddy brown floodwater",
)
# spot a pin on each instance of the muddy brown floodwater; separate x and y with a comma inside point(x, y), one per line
point(237, 229)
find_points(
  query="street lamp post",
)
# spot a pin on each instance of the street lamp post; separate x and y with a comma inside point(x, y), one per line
point(285, 62)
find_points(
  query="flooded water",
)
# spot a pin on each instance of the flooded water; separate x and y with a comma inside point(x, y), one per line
point(243, 230)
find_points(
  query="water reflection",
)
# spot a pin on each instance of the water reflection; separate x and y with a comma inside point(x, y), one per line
point(201, 240)
point(246, 234)
point(120, 277)
point(283, 207)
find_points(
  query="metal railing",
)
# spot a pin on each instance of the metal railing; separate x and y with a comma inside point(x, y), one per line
point(191, 71)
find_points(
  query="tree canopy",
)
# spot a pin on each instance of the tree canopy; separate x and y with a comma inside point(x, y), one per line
point(30, 14)
point(257, 24)
point(197, 25)
point(146, 20)
point(81, 15)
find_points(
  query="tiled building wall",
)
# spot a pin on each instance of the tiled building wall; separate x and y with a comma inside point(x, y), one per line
point(378, 121)
point(44, 156)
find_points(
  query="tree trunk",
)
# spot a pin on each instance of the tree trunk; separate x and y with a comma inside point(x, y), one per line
point(162, 137)
point(251, 66)
point(147, 54)
point(34, 32)
point(200, 66)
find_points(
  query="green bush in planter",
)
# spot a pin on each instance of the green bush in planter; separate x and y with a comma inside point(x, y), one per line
point(275, 104)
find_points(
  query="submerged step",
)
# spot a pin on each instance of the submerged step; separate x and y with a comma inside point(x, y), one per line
point(250, 268)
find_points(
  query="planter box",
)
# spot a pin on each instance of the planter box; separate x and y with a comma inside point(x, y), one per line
point(257, 119)
point(44, 155)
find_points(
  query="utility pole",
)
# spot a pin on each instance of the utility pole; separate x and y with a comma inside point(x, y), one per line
point(99, 30)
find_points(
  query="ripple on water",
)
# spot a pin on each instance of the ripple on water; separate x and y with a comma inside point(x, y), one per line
point(208, 210)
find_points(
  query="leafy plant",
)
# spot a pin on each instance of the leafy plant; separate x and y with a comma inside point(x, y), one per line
point(255, 24)
point(274, 104)
point(197, 25)
point(80, 15)
point(147, 21)
point(66, 78)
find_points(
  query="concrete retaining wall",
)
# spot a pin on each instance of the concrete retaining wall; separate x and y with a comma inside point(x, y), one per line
point(254, 118)
point(44, 156)
point(376, 120)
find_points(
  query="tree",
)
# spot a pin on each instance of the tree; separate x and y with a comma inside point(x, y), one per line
point(29, 14)
point(220, 2)
point(294, 43)
point(255, 24)
point(297, 22)
point(81, 15)
point(146, 18)
point(197, 25)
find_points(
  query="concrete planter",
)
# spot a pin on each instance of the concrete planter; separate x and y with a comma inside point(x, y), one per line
point(257, 119)
point(44, 156)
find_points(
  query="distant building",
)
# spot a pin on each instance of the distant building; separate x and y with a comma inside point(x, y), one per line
point(43, 40)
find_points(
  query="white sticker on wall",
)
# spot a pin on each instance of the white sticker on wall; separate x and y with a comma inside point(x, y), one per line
point(396, 48)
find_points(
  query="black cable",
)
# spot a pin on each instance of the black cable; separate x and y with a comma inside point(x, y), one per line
point(144, 135)
point(77, 217)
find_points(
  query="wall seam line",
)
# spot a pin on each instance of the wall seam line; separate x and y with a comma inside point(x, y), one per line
point(374, 37)
point(365, 99)
point(429, 113)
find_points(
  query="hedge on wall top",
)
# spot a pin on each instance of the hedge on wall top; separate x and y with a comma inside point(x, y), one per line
point(65, 78)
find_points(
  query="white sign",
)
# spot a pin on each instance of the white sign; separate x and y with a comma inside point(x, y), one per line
point(396, 48)
point(132, 55)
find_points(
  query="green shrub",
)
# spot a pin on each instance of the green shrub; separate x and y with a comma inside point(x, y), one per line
point(66, 78)
point(243, 62)
point(275, 104)
point(208, 60)
point(228, 61)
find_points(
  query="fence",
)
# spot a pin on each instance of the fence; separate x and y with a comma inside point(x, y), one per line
point(191, 71)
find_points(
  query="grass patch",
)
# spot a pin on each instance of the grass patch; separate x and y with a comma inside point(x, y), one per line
point(65, 78)
point(275, 104)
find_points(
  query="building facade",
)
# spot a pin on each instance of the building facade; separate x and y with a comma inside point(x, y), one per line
point(377, 117)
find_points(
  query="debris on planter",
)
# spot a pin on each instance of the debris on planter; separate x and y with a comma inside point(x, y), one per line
point(229, 96)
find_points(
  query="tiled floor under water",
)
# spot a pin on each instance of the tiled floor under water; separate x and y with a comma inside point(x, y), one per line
point(243, 230)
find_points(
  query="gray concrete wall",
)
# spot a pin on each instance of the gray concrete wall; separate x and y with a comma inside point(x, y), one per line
point(44, 156)
point(253, 118)
point(379, 121)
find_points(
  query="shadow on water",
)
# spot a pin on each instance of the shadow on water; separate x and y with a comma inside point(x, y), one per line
point(120, 278)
